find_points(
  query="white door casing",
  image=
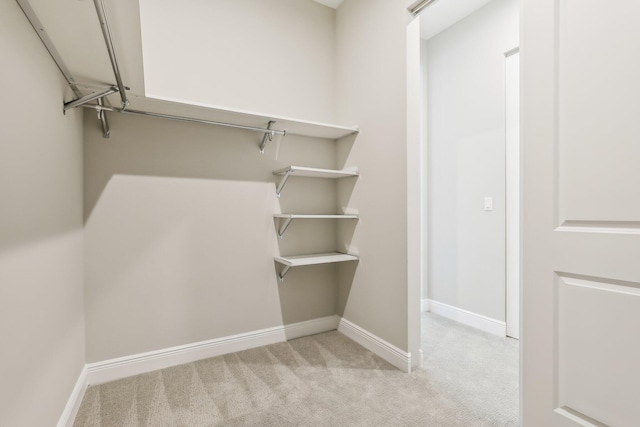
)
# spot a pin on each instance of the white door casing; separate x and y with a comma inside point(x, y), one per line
point(581, 212)
point(512, 190)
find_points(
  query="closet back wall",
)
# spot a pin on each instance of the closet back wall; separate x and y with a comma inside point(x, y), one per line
point(273, 56)
point(180, 235)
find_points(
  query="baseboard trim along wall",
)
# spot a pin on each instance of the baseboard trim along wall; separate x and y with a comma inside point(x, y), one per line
point(477, 321)
point(387, 351)
point(122, 367)
point(73, 404)
point(113, 369)
point(311, 327)
point(424, 305)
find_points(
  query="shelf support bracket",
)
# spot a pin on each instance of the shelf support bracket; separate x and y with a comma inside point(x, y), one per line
point(283, 273)
point(283, 182)
point(268, 136)
point(284, 227)
point(88, 98)
point(102, 116)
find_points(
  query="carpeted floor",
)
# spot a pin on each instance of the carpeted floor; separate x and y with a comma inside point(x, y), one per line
point(470, 379)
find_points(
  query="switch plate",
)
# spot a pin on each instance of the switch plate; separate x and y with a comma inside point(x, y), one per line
point(488, 204)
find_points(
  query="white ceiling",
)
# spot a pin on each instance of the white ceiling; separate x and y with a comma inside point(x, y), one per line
point(444, 13)
point(331, 3)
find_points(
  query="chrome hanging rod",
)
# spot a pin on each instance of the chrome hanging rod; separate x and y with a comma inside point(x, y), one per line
point(184, 119)
point(106, 32)
point(48, 44)
point(419, 6)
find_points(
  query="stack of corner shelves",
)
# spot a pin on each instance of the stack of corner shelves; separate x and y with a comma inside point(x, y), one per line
point(285, 219)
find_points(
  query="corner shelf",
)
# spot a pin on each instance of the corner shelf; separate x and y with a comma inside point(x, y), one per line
point(306, 172)
point(290, 217)
point(312, 259)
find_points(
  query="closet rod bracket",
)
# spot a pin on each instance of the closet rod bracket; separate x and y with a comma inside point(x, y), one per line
point(268, 136)
point(102, 116)
point(88, 98)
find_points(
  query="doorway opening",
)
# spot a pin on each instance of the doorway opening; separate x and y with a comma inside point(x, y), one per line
point(471, 281)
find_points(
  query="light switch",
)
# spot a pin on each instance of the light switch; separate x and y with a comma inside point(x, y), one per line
point(488, 204)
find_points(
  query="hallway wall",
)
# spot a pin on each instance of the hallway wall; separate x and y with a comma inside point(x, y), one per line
point(466, 159)
point(41, 304)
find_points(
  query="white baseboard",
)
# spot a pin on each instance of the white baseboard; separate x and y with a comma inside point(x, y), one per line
point(424, 305)
point(311, 327)
point(114, 369)
point(377, 345)
point(75, 399)
point(477, 321)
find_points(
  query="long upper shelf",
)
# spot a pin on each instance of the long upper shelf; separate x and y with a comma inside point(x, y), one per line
point(214, 113)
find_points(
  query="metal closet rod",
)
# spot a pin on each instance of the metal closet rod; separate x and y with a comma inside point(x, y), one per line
point(419, 6)
point(100, 108)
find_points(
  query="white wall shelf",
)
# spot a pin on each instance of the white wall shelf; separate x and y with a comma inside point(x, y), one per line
point(292, 126)
point(284, 220)
point(313, 259)
point(306, 172)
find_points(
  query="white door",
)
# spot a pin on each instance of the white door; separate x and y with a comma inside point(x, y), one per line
point(581, 213)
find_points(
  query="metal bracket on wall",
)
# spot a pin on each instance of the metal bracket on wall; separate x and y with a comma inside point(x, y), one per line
point(283, 227)
point(88, 98)
point(283, 182)
point(283, 273)
point(119, 87)
point(102, 116)
point(267, 136)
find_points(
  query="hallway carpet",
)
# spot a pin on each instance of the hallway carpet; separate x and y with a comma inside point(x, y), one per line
point(322, 380)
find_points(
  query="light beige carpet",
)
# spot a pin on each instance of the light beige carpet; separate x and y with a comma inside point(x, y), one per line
point(322, 380)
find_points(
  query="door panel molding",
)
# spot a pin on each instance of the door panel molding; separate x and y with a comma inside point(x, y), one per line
point(615, 227)
point(593, 360)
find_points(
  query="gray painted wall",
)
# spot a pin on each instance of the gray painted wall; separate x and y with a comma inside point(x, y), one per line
point(465, 75)
point(41, 307)
point(372, 86)
point(271, 56)
point(180, 235)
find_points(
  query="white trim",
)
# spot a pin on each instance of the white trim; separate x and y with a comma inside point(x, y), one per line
point(113, 369)
point(477, 321)
point(334, 4)
point(387, 351)
point(574, 419)
point(424, 305)
point(311, 327)
point(75, 399)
